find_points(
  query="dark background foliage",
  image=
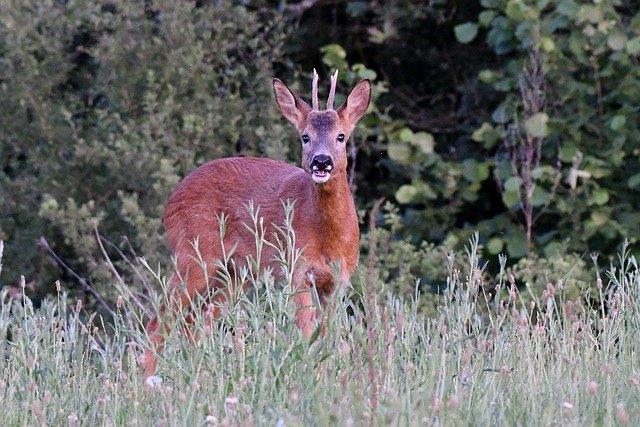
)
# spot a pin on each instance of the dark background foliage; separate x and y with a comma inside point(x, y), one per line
point(516, 118)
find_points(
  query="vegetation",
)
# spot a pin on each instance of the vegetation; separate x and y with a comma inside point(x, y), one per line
point(549, 361)
point(516, 119)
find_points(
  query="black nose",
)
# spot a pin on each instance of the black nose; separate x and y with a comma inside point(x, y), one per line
point(322, 162)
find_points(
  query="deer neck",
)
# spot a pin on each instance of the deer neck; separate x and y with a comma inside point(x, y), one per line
point(334, 207)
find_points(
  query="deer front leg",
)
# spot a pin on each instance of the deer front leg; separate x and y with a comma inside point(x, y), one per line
point(305, 310)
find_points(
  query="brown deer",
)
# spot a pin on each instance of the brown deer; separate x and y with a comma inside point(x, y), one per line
point(325, 220)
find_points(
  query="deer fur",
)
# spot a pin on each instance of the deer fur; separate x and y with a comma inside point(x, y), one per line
point(325, 220)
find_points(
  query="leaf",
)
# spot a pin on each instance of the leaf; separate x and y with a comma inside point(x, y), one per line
point(486, 17)
point(516, 10)
point(516, 244)
point(424, 141)
point(618, 121)
point(334, 56)
point(567, 152)
point(617, 40)
point(357, 8)
point(634, 181)
point(540, 196)
point(399, 152)
point(466, 32)
point(600, 196)
point(600, 216)
point(478, 134)
point(407, 194)
point(547, 44)
point(500, 115)
point(511, 198)
point(487, 76)
point(513, 184)
point(495, 245)
point(405, 134)
point(536, 125)
point(633, 46)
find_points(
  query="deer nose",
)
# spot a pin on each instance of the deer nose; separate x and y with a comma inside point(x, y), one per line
point(322, 162)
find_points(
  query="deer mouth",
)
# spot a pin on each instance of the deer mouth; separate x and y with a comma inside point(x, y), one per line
point(320, 176)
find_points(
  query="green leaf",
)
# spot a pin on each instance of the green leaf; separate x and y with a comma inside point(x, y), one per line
point(479, 134)
point(536, 125)
point(600, 216)
point(516, 10)
point(399, 152)
point(540, 196)
point(486, 17)
point(513, 184)
point(633, 46)
point(407, 194)
point(511, 198)
point(424, 141)
point(487, 76)
point(600, 196)
point(357, 8)
point(617, 40)
point(334, 56)
point(634, 181)
point(567, 152)
point(618, 122)
point(547, 44)
point(405, 134)
point(516, 244)
point(495, 245)
point(466, 32)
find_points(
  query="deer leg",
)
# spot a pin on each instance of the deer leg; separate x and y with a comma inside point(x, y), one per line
point(179, 299)
point(305, 310)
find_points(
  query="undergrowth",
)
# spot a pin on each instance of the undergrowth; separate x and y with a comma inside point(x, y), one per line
point(505, 357)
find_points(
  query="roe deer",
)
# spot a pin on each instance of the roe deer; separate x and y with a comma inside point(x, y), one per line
point(325, 220)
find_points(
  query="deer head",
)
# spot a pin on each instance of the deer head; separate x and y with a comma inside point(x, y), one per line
point(324, 133)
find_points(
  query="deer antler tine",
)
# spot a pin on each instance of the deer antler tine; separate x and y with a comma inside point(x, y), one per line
point(314, 90)
point(332, 91)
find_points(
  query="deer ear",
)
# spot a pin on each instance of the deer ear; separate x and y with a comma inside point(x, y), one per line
point(293, 108)
point(357, 102)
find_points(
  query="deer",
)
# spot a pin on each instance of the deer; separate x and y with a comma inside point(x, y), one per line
point(325, 221)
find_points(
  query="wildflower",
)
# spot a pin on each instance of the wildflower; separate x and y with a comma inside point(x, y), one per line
point(621, 413)
point(608, 369)
point(592, 388)
point(453, 402)
point(153, 381)
point(73, 419)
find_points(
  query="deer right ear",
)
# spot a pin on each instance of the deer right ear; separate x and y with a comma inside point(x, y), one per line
point(293, 108)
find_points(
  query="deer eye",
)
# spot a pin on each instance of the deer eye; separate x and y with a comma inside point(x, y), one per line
point(305, 138)
point(341, 137)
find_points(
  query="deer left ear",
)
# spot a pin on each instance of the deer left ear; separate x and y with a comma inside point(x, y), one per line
point(292, 107)
point(357, 103)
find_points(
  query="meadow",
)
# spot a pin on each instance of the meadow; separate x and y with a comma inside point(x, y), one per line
point(487, 357)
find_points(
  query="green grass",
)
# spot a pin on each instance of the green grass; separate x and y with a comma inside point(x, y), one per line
point(479, 362)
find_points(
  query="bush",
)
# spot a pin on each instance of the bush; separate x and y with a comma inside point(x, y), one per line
point(105, 106)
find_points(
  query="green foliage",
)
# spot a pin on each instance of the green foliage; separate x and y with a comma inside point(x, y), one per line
point(104, 108)
point(380, 361)
point(590, 155)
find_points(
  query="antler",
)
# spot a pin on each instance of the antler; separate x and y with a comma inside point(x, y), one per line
point(332, 91)
point(314, 90)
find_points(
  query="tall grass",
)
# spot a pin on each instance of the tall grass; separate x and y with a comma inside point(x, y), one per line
point(486, 359)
